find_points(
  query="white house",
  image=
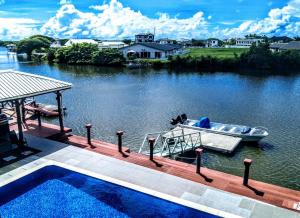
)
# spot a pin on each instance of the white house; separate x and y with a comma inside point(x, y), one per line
point(212, 43)
point(165, 41)
point(112, 45)
point(151, 50)
point(144, 37)
point(56, 44)
point(294, 45)
point(247, 42)
point(78, 41)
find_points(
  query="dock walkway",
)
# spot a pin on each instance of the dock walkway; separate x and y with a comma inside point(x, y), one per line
point(268, 193)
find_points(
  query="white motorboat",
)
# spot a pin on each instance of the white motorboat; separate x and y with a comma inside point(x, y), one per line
point(248, 134)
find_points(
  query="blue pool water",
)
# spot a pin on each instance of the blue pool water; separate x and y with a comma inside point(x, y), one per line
point(57, 192)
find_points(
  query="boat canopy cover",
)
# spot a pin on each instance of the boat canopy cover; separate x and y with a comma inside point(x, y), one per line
point(204, 122)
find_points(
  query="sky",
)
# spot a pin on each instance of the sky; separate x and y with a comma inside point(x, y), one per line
point(177, 19)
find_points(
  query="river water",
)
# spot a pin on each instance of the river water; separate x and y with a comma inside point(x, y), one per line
point(143, 101)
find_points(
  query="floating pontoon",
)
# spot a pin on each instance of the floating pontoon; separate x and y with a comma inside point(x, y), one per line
point(181, 140)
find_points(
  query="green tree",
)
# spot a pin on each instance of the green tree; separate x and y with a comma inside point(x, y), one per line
point(28, 45)
point(80, 53)
point(127, 41)
point(108, 57)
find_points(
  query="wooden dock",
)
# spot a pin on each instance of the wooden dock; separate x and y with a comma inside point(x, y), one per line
point(272, 194)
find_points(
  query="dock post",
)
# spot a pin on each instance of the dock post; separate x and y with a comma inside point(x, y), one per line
point(119, 134)
point(199, 152)
point(151, 142)
point(88, 128)
point(247, 163)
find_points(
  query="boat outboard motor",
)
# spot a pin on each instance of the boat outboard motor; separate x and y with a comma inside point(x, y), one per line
point(180, 119)
point(183, 118)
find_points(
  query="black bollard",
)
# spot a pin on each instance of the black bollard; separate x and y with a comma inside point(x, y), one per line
point(119, 134)
point(88, 128)
point(247, 163)
point(199, 152)
point(151, 142)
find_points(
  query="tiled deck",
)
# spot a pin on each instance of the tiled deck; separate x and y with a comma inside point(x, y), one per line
point(220, 198)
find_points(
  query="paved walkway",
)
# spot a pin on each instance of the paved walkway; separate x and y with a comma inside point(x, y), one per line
point(187, 190)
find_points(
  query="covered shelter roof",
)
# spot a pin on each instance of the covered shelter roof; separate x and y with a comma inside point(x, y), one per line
point(16, 85)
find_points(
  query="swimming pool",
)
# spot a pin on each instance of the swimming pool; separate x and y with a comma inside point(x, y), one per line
point(54, 191)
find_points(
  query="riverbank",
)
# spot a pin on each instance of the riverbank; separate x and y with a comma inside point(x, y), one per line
point(258, 57)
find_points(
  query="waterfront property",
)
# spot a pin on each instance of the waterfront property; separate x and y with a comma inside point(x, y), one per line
point(56, 44)
point(211, 43)
point(112, 45)
point(293, 45)
point(246, 43)
point(78, 41)
point(184, 190)
point(144, 37)
point(151, 50)
point(165, 41)
point(11, 47)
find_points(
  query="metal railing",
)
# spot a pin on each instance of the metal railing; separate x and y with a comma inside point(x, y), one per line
point(168, 143)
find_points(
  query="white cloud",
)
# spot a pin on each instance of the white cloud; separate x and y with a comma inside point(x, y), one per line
point(63, 2)
point(16, 28)
point(279, 21)
point(113, 20)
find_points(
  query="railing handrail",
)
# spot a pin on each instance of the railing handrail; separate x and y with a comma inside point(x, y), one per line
point(164, 144)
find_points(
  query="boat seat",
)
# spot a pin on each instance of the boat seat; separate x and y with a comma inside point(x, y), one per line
point(233, 130)
point(221, 128)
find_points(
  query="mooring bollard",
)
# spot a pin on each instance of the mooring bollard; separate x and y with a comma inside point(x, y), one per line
point(199, 152)
point(88, 128)
point(119, 134)
point(247, 163)
point(151, 142)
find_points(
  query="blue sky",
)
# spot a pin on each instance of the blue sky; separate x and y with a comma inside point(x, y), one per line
point(171, 18)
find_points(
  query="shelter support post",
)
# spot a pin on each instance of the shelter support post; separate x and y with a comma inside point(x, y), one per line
point(19, 121)
point(59, 107)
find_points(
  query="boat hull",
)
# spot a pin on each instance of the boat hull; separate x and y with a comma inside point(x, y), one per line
point(248, 137)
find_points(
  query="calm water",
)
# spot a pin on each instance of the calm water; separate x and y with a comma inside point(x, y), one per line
point(143, 101)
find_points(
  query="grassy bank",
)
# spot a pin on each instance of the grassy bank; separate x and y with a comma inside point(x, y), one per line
point(215, 52)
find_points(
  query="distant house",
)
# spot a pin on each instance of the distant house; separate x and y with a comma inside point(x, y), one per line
point(112, 45)
point(294, 45)
point(212, 43)
point(151, 50)
point(247, 43)
point(11, 47)
point(78, 41)
point(185, 42)
point(56, 44)
point(165, 41)
point(144, 37)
